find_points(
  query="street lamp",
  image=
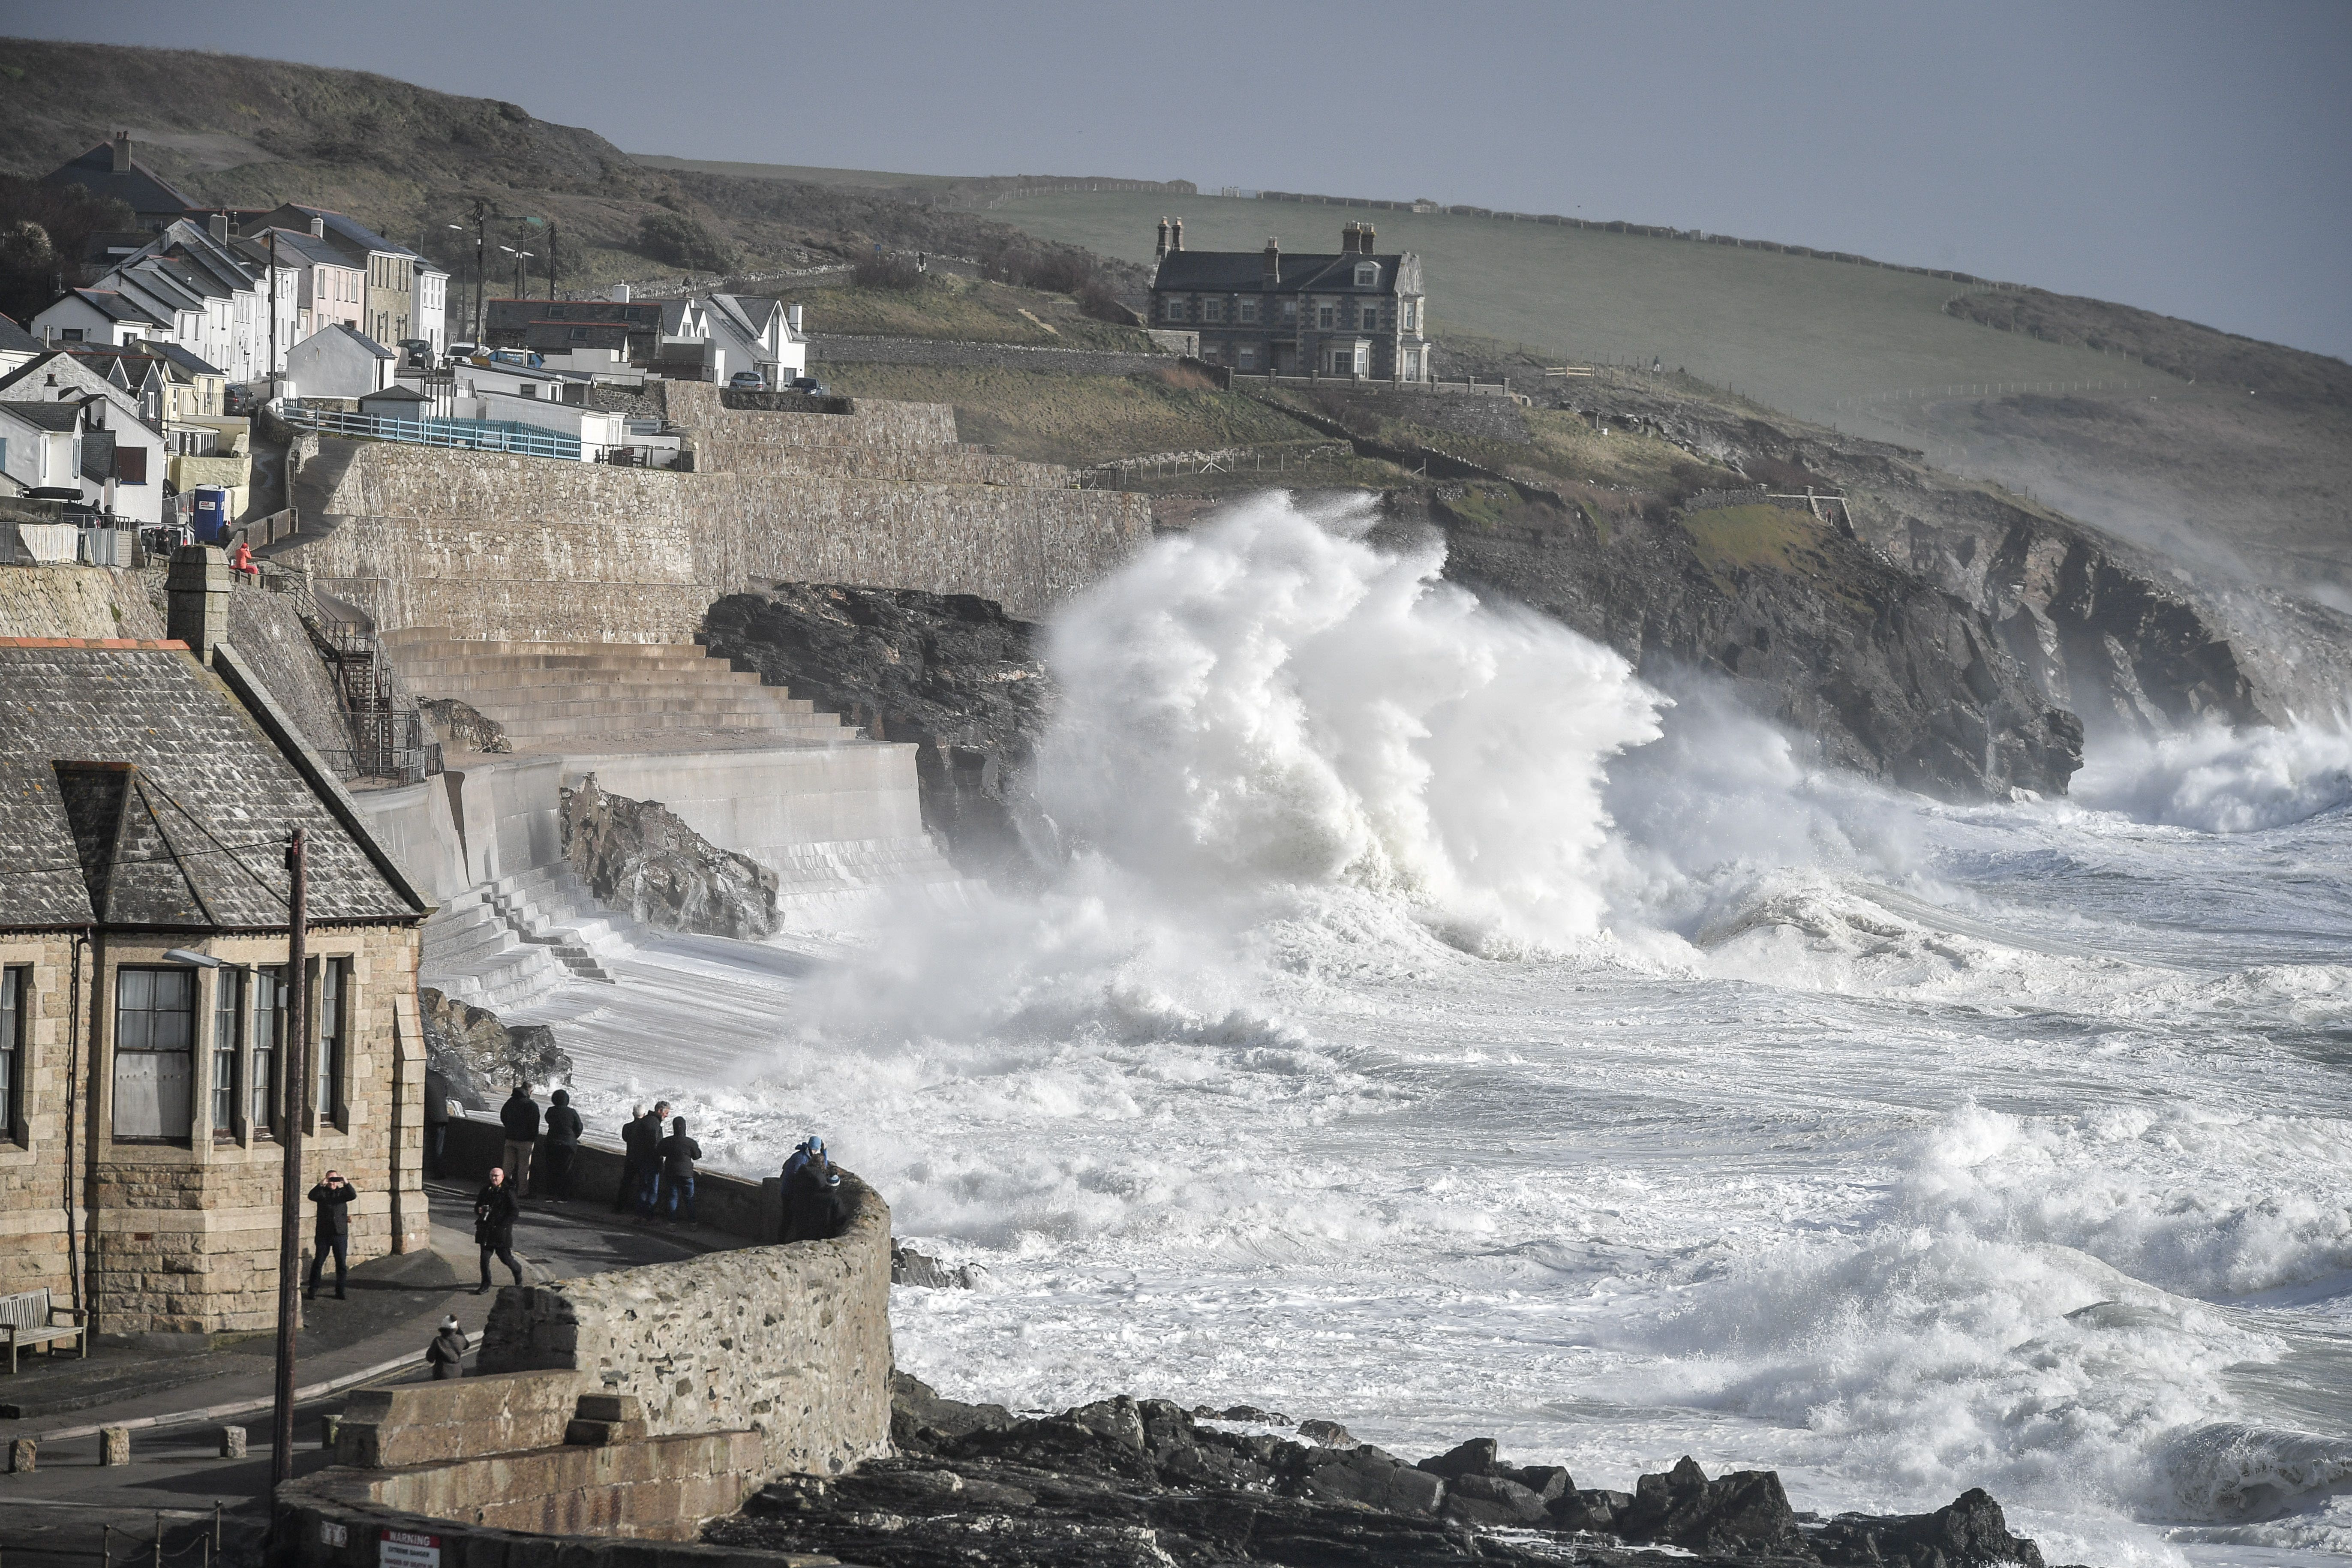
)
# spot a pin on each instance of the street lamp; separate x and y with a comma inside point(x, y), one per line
point(459, 228)
point(520, 256)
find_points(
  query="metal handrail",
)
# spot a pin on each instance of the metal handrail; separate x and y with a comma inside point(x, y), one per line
point(462, 435)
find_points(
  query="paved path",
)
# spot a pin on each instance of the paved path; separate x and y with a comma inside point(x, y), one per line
point(73, 1511)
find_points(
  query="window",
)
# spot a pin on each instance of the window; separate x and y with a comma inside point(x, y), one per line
point(1213, 309)
point(228, 1007)
point(577, 335)
point(1408, 309)
point(71, 335)
point(131, 465)
point(1371, 315)
point(1367, 275)
point(15, 1002)
point(1248, 311)
point(1173, 311)
point(1289, 311)
point(1248, 357)
point(555, 312)
point(1327, 316)
point(154, 1035)
point(268, 1031)
point(334, 997)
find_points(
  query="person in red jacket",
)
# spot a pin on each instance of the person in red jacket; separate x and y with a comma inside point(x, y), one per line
point(241, 560)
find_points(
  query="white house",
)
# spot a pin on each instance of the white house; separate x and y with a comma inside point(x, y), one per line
point(328, 286)
point(189, 286)
point(432, 320)
point(338, 360)
point(104, 316)
point(40, 446)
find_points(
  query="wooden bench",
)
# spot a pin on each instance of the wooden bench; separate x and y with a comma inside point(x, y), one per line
point(27, 1318)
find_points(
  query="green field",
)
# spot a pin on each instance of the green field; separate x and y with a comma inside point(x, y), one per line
point(1809, 336)
point(870, 179)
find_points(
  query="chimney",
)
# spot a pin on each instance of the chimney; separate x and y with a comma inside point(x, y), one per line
point(121, 153)
point(1273, 261)
point(1348, 239)
point(621, 295)
point(196, 592)
point(317, 228)
point(1160, 251)
point(1365, 242)
point(1176, 235)
point(218, 224)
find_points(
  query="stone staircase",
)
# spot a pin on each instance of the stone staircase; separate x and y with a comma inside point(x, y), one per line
point(506, 944)
point(551, 695)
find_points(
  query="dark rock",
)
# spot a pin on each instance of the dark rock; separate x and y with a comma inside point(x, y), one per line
point(482, 1058)
point(1971, 1532)
point(1326, 1434)
point(925, 1272)
point(951, 673)
point(920, 1417)
point(1595, 1510)
point(1493, 1499)
point(1475, 1457)
point(1118, 1419)
point(1741, 1508)
point(1354, 1477)
point(637, 854)
point(1251, 1412)
point(1548, 1482)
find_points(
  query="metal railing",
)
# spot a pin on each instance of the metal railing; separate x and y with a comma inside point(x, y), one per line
point(462, 435)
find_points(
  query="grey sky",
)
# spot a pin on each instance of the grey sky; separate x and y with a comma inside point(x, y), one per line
point(2195, 159)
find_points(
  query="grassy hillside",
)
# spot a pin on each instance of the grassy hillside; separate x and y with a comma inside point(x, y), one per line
point(1802, 335)
point(2234, 455)
point(970, 310)
point(245, 133)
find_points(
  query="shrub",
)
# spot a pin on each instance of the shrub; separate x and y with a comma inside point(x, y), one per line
point(681, 241)
point(884, 270)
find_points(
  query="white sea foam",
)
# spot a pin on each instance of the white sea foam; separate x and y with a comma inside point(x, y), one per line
point(2224, 780)
point(1438, 1030)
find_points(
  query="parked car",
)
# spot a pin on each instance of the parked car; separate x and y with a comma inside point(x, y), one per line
point(809, 385)
point(416, 353)
point(748, 381)
point(238, 399)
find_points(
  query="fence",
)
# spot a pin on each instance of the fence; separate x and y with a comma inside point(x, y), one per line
point(1988, 389)
point(465, 435)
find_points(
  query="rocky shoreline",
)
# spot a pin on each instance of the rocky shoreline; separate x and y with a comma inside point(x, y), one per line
point(1135, 1482)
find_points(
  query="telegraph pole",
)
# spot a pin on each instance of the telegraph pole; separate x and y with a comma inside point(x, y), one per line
point(481, 261)
point(295, 1054)
point(550, 260)
point(273, 310)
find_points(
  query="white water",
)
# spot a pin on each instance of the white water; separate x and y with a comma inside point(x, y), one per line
point(1447, 1035)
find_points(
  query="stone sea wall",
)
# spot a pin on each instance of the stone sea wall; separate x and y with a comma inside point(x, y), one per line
point(793, 1341)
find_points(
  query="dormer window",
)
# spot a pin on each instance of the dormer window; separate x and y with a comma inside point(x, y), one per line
point(1367, 275)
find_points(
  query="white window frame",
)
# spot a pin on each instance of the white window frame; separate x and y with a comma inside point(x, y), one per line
point(1368, 274)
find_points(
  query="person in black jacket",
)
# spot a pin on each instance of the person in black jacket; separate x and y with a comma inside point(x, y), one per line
point(562, 1143)
point(520, 1115)
point(633, 1159)
point(494, 1222)
point(814, 1209)
point(649, 1137)
point(333, 1231)
point(678, 1152)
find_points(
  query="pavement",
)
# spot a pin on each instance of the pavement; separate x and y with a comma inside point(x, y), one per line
point(176, 1490)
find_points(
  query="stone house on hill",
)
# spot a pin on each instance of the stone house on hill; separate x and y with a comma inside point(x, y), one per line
point(1356, 314)
point(108, 170)
point(146, 795)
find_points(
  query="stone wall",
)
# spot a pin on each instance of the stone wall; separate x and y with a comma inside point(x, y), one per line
point(501, 547)
point(793, 1341)
point(843, 347)
point(75, 602)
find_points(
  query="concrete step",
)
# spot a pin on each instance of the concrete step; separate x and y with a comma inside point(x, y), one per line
point(643, 700)
point(594, 723)
point(456, 683)
point(693, 663)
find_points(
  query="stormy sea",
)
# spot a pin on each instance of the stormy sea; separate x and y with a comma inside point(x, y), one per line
point(1433, 1028)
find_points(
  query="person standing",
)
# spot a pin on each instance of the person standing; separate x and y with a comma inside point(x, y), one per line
point(494, 1222)
point(633, 1161)
point(446, 1353)
point(679, 1154)
point(563, 1145)
point(332, 1231)
point(649, 1179)
point(520, 1115)
point(436, 1121)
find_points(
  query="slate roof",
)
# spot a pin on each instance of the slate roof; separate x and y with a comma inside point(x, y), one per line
point(557, 337)
point(98, 456)
point(293, 245)
point(137, 789)
point(15, 339)
point(365, 342)
point(61, 415)
point(1244, 272)
point(135, 186)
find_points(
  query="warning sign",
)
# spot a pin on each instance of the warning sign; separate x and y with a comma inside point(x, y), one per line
point(407, 1549)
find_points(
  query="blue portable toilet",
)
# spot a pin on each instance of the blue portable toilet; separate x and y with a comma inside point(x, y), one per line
point(212, 515)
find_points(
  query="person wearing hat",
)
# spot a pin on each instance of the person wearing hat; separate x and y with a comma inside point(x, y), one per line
point(447, 1351)
point(814, 1208)
point(810, 1148)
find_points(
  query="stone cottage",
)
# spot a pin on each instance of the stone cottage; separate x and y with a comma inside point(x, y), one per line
point(1358, 314)
point(147, 792)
